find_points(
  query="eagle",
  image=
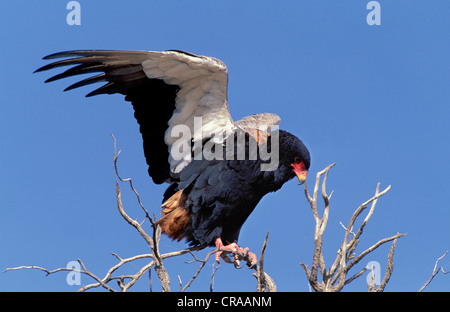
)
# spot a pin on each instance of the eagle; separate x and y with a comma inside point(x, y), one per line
point(218, 169)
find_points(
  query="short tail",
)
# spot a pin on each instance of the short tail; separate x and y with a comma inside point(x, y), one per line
point(175, 217)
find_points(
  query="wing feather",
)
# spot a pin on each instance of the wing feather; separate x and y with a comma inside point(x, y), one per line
point(259, 125)
point(199, 90)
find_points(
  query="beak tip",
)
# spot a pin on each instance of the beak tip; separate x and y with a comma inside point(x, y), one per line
point(301, 179)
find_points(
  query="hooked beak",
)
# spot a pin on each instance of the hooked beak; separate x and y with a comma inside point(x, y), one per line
point(300, 171)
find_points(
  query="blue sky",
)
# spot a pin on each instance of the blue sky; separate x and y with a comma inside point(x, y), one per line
point(373, 99)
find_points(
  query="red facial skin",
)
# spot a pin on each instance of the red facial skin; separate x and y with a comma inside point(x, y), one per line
point(300, 171)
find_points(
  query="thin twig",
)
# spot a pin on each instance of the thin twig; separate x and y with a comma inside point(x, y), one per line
point(203, 262)
point(214, 270)
point(261, 281)
point(435, 271)
point(116, 157)
point(130, 221)
point(336, 277)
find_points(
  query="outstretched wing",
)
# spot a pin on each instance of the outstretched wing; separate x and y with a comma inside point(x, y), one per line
point(166, 89)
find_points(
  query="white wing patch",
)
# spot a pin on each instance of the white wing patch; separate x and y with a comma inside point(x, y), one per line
point(203, 93)
point(259, 121)
point(201, 106)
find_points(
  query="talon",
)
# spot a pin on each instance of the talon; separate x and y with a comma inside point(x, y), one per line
point(225, 257)
point(238, 254)
point(222, 250)
point(244, 252)
point(236, 266)
point(252, 261)
point(222, 254)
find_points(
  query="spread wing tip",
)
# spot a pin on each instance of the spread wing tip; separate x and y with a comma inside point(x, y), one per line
point(74, 53)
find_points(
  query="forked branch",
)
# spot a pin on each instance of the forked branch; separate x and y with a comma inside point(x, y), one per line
point(126, 281)
point(335, 278)
point(436, 270)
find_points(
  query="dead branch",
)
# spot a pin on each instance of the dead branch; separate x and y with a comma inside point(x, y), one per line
point(126, 281)
point(435, 271)
point(332, 279)
point(116, 157)
point(214, 270)
point(100, 281)
point(335, 278)
point(264, 281)
point(389, 268)
point(202, 264)
point(130, 221)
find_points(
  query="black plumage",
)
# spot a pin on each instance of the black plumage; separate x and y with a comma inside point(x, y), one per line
point(222, 194)
point(154, 102)
point(207, 201)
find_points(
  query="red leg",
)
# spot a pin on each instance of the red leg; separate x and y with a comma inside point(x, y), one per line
point(238, 253)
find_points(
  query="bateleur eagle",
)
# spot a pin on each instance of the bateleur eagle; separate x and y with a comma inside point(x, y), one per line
point(208, 199)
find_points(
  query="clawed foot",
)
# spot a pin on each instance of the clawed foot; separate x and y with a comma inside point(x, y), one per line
point(238, 254)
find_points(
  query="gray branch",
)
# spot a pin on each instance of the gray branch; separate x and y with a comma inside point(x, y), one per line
point(335, 278)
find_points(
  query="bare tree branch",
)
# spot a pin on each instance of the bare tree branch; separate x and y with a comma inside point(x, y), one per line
point(389, 268)
point(126, 281)
point(203, 262)
point(116, 157)
point(100, 281)
point(332, 279)
point(264, 281)
point(130, 221)
point(335, 278)
point(436, 270)
point(214, 270)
